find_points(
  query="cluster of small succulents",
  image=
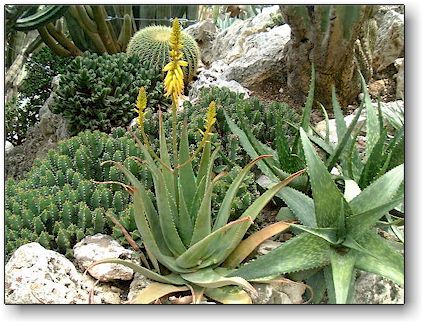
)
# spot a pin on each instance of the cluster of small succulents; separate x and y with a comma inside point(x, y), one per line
point(98, 91)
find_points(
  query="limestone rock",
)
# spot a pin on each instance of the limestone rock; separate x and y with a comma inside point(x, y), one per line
point(373, 289)
point(400, 78)
point(321, 127)
point(390, 43)
point(377, 88)
point(99, 247)
point(267, 246)
point(35, 275)
point(212, 77)
point(204, 32)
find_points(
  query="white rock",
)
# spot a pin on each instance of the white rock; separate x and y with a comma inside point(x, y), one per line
point(8, 147)
point(390, 43)
point(284, 292)
point(35, 275)
point(373, 289)
point(321, 127)
point(204, 32)
point(400, 78)
point(213, 77)
point(100, 247)
point(139, 283)
point(267, 246)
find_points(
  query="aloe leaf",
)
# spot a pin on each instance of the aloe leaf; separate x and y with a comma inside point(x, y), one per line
point(328, 234)
point(379, 192)
point(374, 162)
point(306, 117)
point(317, 284)
point(229, 295)
point(248, 147)
point(197, 199)
point(373, 128)
point(254, 209)
point(172, 279)
point(225, 208)
point(166, 219)
point(327, 124)
point(389, 264)
point(344, 141)
point(164, 156)
point(338, 115)
point(322, 144)
point(302, 252)
point(331, 293)
point(327, 197)
point(209, 278)
point(204, 163)
point(300, 204)
point(358, 223)
point(143, 207)
point(155, 291)
point(202, 225)
point(282, 146)
point(199, 252)
point(248, 245)
point(185, 224)
point(342, 267)
point(186, 174)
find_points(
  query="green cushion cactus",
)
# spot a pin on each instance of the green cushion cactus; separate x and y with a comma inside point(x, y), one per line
point(151, 44)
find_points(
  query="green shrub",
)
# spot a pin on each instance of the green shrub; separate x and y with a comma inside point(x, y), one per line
point(19, 116)
point(99, 92)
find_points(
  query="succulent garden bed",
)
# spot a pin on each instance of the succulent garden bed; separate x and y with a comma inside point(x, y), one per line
point(142, 175)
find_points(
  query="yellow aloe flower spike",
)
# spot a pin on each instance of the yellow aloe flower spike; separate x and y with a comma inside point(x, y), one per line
point(141, 106)
point(174, 80)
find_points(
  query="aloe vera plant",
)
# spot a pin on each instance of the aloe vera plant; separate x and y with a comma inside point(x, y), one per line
point(179, 230)
point(338, 232)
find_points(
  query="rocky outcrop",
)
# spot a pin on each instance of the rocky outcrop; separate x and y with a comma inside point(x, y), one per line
point(390, 43)
point(204, 32)
point(400, 78)
point(99, 247)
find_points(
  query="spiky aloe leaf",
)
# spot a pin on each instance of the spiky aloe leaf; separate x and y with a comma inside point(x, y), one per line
point(328, 234)
point(155, 291)
point(172, 279)
point(301, 205)
point(379, 192)
point(209, 278)
point(186, 175)
point(248, 245)
point(202, 225)
point(224, 209)
point(389, 264)
point(306, 117)
point(344, 141)
point(302, 252)
point(342, 267)
point(185, 223)
point(229, 295)
point(327, 197)
point(204, 163)
point(373, 129)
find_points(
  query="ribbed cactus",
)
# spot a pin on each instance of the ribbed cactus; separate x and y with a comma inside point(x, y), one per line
point(97, 92)
point(151, 45)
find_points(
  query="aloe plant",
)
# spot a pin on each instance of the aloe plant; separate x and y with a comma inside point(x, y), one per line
point(338, 234)
point(179, 230)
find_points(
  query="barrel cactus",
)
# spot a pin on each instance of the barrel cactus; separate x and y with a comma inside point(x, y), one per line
point(151, 44)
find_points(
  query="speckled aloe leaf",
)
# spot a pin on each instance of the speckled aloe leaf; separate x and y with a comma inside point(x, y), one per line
point(327, 198)
point(204, 164)
point(225, 208)
point(186, 174)
point(389, 263)
point(373, 129)
point(305, 251)
point(229, 295)
point(358, 223)
point(210, 278)
point(248, 245)
point(306, 117)
point(172, 279)
point(343, 141)
point(155, 291)
point(342, 266)
point(379, 192)
point(328, 234)
point(202, 225)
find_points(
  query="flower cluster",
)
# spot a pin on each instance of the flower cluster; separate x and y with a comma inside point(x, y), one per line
point(141, 106)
